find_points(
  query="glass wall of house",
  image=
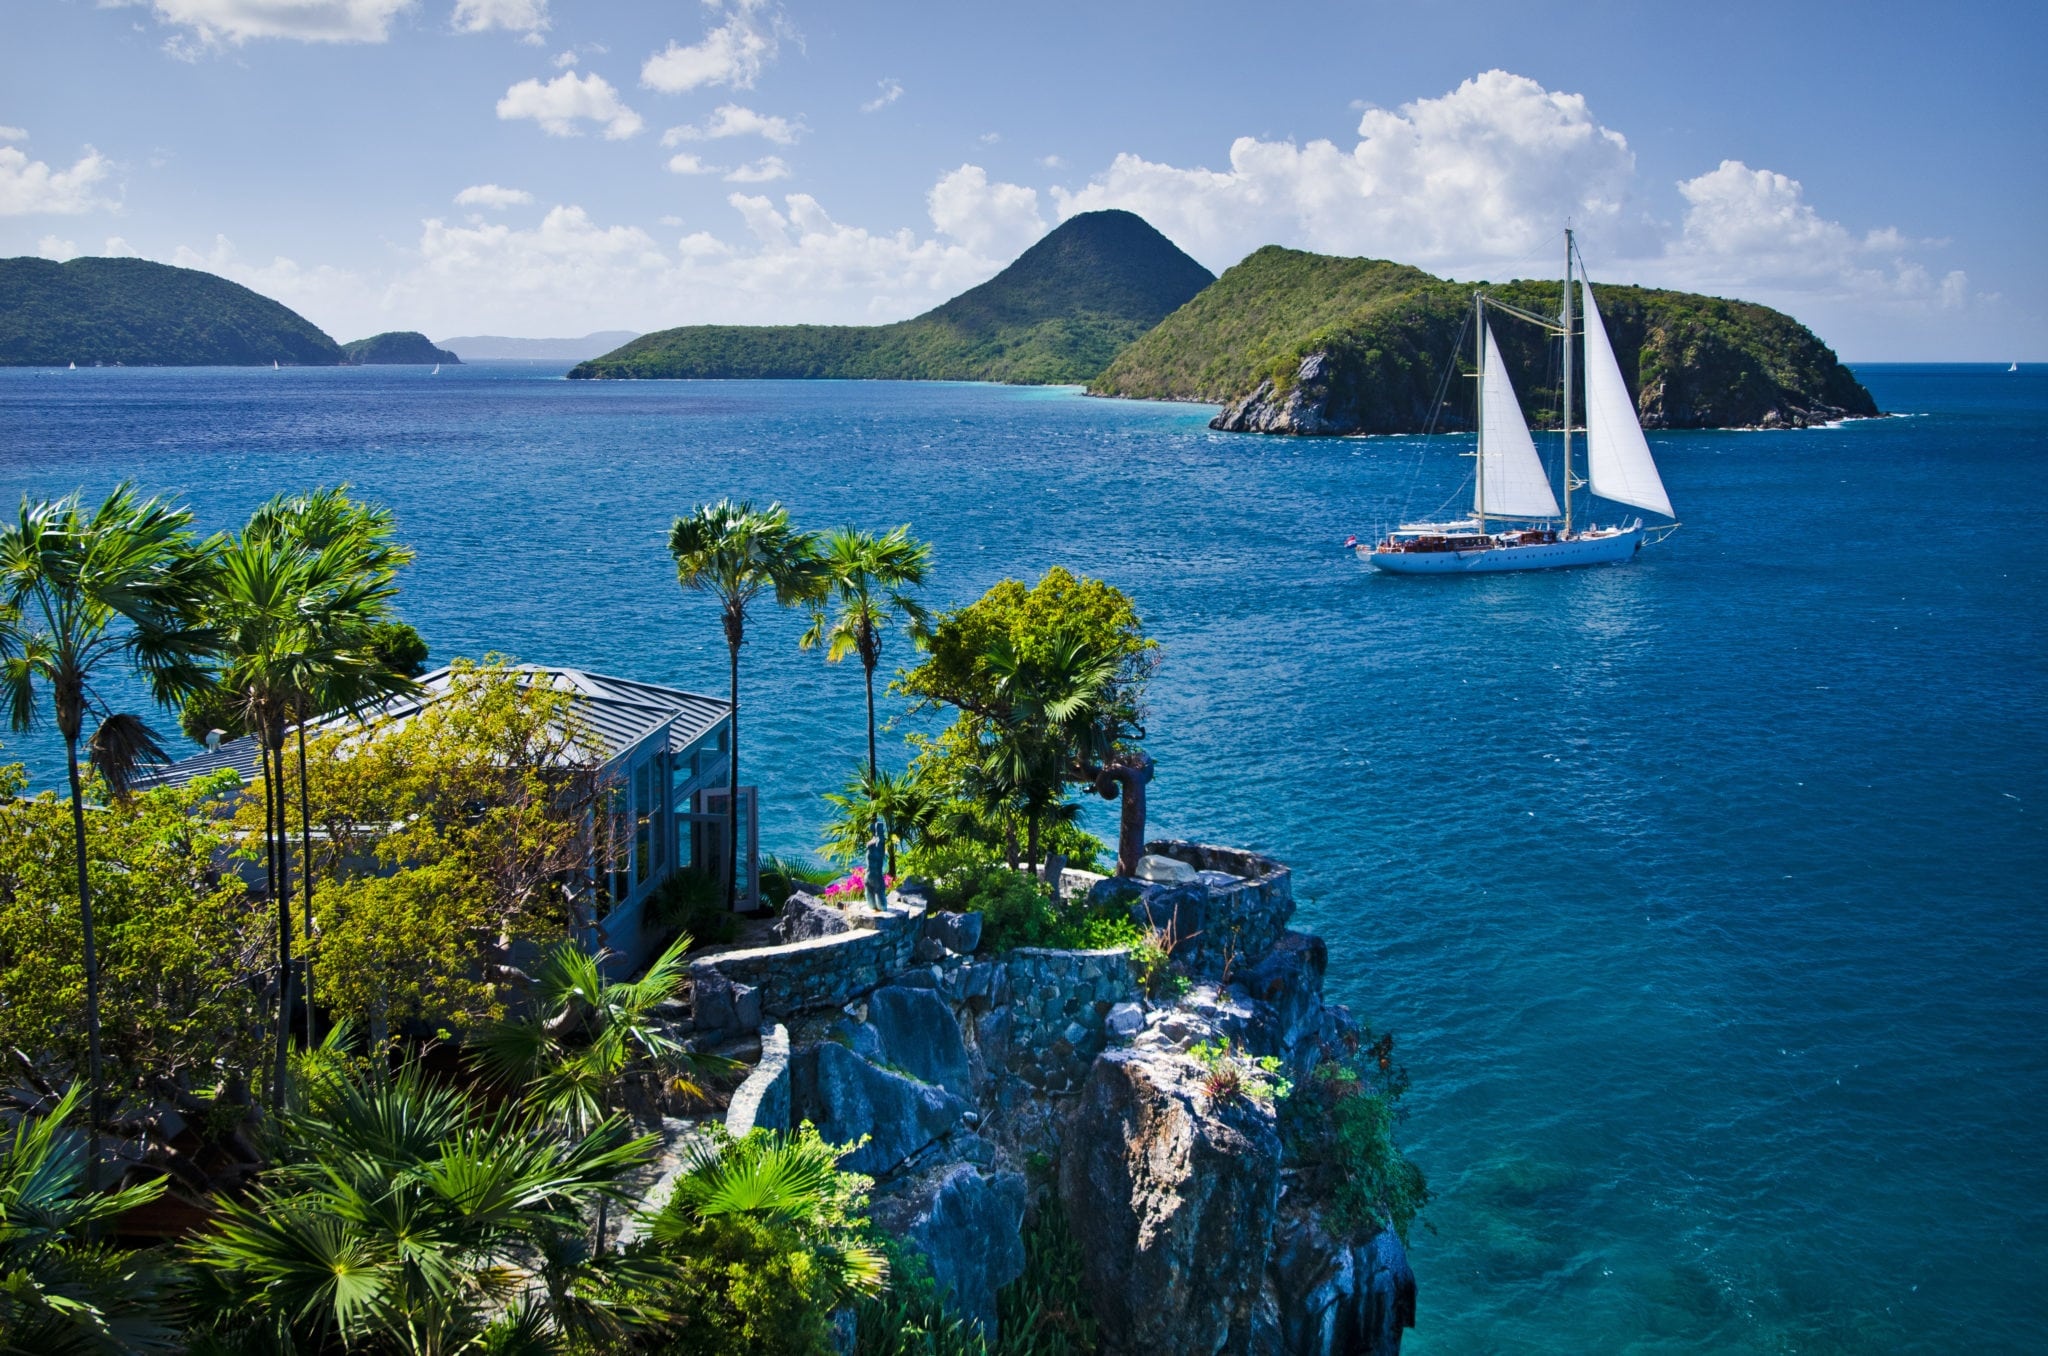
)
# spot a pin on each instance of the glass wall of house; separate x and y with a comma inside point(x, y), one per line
point(640, 830)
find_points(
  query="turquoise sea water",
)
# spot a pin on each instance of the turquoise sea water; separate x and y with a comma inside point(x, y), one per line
point(1705, 894)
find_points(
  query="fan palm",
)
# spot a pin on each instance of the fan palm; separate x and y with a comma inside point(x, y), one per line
point(321, 521)
point(1049, 708)
point(80, 592)
point(867, 579)
point(735, 553)
point(403, 1217)
point(907, 802)
point(289, 620)
point(59, 1293)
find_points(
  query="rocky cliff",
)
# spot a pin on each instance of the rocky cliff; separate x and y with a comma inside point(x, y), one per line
point(994, 1088)
point(1300, 343)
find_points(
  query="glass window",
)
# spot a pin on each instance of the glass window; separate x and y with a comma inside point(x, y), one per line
point(643, 819)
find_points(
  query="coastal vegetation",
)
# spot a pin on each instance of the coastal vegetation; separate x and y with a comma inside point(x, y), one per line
point(132, 312)
point(446, 1146)
point(395, 348)
point(1059, 313)
point(1378, 339)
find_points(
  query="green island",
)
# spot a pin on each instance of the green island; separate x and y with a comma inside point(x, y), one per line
point(135, 313)
point(395, 348)
point(1293, 342)
point(424, 1013)
point(1058, 314)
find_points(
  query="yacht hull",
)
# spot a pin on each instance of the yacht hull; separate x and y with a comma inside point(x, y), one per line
point(1610, 549)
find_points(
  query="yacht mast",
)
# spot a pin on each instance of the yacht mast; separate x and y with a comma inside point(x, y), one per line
point(1567, 314)
point(1479, 407)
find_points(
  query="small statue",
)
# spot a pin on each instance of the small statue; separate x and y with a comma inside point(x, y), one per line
point(876, 878)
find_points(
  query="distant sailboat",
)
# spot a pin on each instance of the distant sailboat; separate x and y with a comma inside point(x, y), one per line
point(273, 365)
point(74, 367)
point(1510, 483)
point(2014, 368)
point(436, 372)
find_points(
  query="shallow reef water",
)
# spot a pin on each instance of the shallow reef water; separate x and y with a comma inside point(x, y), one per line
point(1704, 893)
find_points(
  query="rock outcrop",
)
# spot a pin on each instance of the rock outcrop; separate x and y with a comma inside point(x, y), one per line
point(962, 1072)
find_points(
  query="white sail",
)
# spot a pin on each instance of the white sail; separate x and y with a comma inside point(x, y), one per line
point(1619, 465)
point(1511, 483)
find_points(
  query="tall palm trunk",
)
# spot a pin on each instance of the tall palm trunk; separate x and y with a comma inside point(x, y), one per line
point(306, 875)
point(280, 846)
point(869, 665)
point(735, 636)
point(92, 961)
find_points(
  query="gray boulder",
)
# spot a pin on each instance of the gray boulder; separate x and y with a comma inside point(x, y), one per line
point(1172, 1199)
point(969, 1224)
point(721, 1005)
point(847, 1097)
point(920, 1036)
point(806, 917)
point(1286, 987)
point(960, 932)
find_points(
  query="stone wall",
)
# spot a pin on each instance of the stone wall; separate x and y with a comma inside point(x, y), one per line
point(1221, 922)
point(1060, 1003)
point(738, 990)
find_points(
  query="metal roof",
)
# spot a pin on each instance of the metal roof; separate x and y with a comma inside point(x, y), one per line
point(617, 711)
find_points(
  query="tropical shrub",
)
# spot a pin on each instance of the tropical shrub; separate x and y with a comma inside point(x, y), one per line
point(178, 938)
point(1228, 1072)
point(762, 1239)
point(1339, 1125)
point(691, 903)
point(60, 1293)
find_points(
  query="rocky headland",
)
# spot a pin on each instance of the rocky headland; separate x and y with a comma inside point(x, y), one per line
point(991, 1089)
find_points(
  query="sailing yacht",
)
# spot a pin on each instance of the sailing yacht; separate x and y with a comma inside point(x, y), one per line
point(1516, 522)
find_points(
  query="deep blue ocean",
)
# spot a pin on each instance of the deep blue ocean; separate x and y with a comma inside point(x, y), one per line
point(1705, 894)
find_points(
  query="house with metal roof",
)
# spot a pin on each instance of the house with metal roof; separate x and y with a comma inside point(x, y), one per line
point(663, 753)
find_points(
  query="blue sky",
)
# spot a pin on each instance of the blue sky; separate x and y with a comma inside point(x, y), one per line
point(543, 167)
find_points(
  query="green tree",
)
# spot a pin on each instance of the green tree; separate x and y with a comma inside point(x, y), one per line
point(449, 830)
point(1049, 683)
point(290, 620)
point(867, 581)
point(735, 553)
point(177, 939)
point(761, 1240)
point(364, 658)
point(905, 802)
point(401, 1216)
point(61, 1293)
point(84, 591)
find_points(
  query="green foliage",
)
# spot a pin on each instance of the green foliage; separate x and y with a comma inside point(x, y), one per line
point(1044, 1312)
point(692, 902)
point(141, 314)
point(401, 1216)
point(783, 876)
point(1693, 361)
point(1229, 1072)
point(1018, 910)
point(584, 1038)
point(906, 802)
point(1066, 307)
point(177, 938)
point(61, 1293)
point(912, 1318)
point(395, 347)
point(444, 832)
point(762, 1238)
point(1340, 1126)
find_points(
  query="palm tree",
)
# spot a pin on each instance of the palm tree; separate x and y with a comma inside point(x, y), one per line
point(289, 620)
point(907, 802)
point(321, 521)
point(59, 1292)
point(402, 1216)
point(1049, 710)
point(735, 552)
point(84, 590)
point(868, 579)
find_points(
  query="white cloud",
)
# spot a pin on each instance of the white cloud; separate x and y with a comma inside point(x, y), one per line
point(732, 53)
point(217, 22)
point(13, 134)
point(31, 186)
point(517, 16)
point(568, 99)
point(765, 170)
point(1752, 228)
point(564, 60)
point(685, 163)
point(891, 89)
point(322, 289)
point(995, 219)
point(51, 247)
point(990, 138)
point(1490, 170)
point(1052, 162)
point(491, 195)
point(731, 120)
point(117, 248)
